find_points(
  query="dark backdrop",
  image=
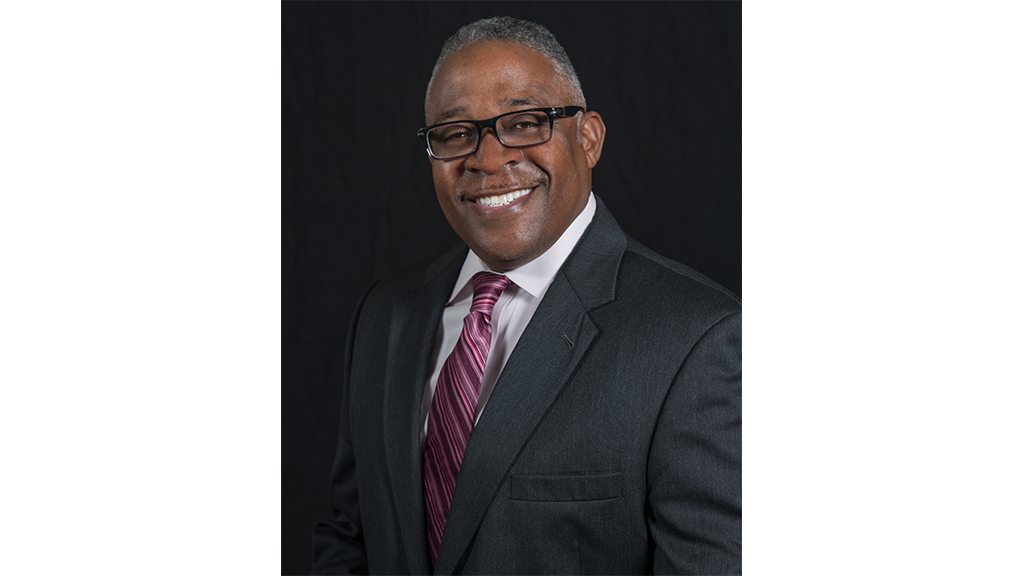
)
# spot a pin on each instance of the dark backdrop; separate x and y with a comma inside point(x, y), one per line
point(358, 200)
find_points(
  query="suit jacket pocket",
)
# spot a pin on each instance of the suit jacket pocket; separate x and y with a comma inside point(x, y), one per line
point(565, 487)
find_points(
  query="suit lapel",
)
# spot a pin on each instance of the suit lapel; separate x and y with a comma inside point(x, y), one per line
point(415, 317)
point(546, 355)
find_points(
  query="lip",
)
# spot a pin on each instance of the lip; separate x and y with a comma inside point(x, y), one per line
point(495, 211)
point(474, 196)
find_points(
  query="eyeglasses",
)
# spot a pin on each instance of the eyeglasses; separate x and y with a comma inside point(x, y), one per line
point(513, 129)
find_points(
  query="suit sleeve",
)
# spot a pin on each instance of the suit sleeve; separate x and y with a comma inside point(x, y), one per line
point(694, 473)
point(338, 546)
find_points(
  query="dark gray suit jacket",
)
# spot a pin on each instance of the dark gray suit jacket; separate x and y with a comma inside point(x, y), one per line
point(611, 442)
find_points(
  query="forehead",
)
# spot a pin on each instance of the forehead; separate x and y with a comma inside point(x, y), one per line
point(488, 78)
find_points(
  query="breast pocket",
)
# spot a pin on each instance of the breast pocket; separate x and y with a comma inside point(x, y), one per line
point(573, 487)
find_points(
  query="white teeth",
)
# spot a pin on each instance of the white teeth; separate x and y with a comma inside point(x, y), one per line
point(503, 199)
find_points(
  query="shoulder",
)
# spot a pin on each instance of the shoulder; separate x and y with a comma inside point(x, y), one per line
point(652, 285)
point(415, 277)
point(630, 290)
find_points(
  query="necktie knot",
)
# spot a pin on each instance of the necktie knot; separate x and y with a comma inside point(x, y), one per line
point(487, 288)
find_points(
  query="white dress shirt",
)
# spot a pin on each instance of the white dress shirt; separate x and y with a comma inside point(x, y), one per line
point(512, 312)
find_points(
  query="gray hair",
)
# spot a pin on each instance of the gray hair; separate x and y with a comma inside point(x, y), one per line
point(508, 29)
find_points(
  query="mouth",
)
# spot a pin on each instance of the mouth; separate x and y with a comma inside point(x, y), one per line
point(503, 199)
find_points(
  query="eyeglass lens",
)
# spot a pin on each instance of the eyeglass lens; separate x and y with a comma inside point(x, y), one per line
point(518, 129)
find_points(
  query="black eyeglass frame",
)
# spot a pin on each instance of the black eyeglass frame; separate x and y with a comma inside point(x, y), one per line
point(492, 123)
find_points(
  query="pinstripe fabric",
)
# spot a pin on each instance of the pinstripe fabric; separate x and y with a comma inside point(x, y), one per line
point(453, 408)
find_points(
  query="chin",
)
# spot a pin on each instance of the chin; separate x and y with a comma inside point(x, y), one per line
point(503, 261)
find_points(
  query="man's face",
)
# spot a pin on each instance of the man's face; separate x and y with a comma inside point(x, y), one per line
point(484, 80)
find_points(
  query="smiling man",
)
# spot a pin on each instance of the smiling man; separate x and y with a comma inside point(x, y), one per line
point(509, 193)
point(551, 397)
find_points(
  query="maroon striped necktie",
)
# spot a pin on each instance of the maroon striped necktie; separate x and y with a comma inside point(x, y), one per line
point(453, 408)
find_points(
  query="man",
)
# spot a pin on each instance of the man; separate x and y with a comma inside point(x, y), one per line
point(551, 397)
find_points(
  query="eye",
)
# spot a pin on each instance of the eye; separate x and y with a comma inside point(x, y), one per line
point(526, 122)
point(451, 133)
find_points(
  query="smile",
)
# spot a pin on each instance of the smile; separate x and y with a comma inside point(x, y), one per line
point(503, 199)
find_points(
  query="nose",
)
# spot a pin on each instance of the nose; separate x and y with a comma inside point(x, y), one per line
point(491, 155)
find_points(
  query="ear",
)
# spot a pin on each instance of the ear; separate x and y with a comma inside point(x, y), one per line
point(592, 134)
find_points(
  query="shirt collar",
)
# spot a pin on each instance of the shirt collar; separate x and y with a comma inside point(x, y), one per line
point(536, 275)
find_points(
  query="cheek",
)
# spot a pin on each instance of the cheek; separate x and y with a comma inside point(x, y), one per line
point(447, 170)
point(437, 170)
point(443, 183)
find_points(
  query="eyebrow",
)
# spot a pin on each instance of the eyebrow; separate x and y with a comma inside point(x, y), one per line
point(508, 104)
point(517, 102)
point(451, 113)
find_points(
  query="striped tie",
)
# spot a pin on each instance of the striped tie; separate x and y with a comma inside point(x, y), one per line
point(453, 408)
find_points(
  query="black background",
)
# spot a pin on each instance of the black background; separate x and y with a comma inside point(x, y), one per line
point(358, 200)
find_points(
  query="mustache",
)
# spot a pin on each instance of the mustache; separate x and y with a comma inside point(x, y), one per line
point(503, 185)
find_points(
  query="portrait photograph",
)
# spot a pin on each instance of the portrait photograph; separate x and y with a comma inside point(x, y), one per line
point(359, 201)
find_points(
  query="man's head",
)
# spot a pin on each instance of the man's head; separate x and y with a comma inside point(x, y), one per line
point(493, 67)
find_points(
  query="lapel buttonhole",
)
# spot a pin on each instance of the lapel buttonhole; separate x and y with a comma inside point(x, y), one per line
point(568, 341)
